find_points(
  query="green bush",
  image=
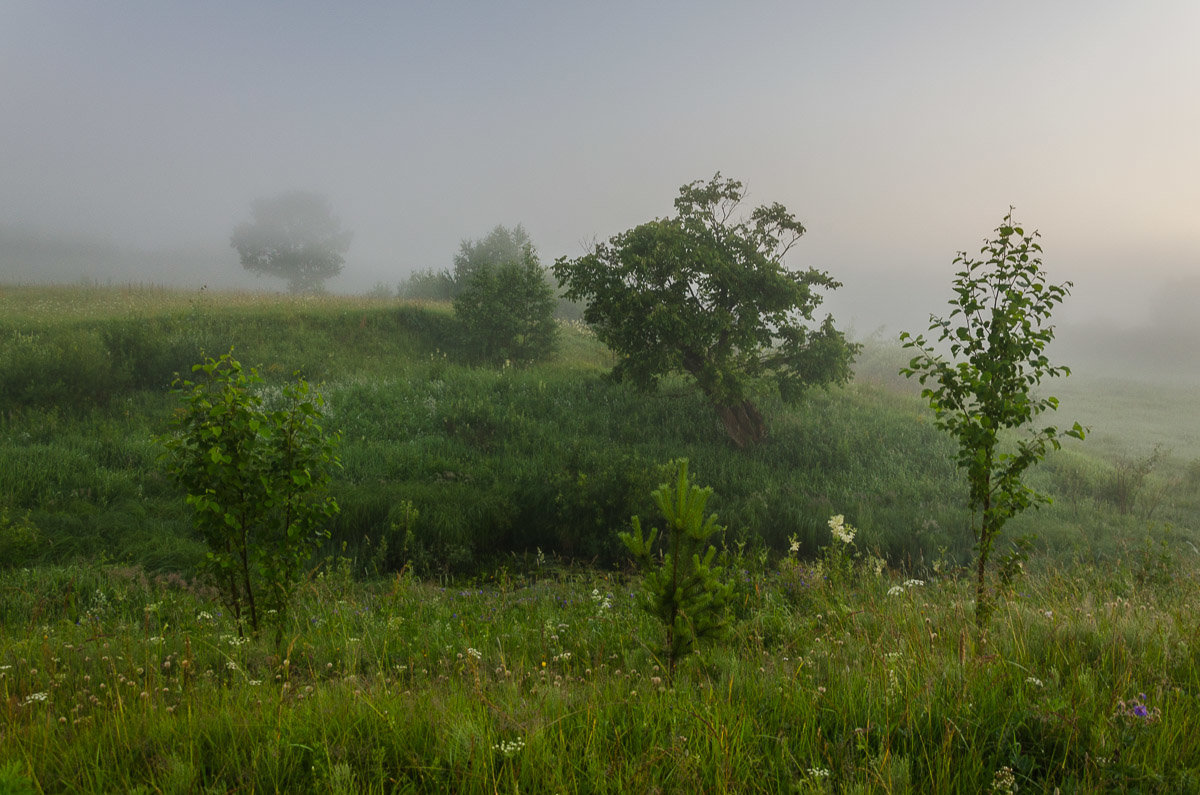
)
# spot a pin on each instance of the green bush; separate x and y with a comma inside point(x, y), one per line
point(255, 475)
point(504, 299)
point(507, 313)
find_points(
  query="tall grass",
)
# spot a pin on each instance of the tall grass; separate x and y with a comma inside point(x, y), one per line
point(544, 681)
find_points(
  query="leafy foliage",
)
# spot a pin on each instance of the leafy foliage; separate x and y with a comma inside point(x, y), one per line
point(707, 294)
point(503, 299)
point(684, 589)
point(295, 236)
point(500, 246)
point(1002, 305)
point(429, 285)
point(255, 477)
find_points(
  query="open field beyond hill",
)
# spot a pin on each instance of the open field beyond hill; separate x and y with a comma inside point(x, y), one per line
point(472, 623)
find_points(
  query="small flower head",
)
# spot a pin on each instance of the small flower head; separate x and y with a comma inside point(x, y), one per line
point(1004, 781)
point(1136, 712)
point(841, 531)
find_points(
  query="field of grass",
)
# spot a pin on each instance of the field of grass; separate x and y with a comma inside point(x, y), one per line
point(473, 625)
point(546, 680)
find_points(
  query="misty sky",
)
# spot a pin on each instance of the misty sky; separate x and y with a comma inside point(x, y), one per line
point(898, 132)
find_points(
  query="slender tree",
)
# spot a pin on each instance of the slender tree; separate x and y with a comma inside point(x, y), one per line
point(996, 333)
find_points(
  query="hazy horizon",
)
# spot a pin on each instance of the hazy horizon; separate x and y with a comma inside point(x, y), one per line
point(137, 137)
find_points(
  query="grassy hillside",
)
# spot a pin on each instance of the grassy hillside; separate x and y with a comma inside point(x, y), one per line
point(452, 638)
point(498, 461)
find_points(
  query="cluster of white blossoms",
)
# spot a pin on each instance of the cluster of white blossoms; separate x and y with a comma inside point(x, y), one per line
point(897, 590)
point(509, 748)
point(841, 531)
point(34, 697)
point(603, 601)
point(1004, 781)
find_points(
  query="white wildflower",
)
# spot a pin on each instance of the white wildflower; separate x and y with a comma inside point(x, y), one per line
point(1004, 781)
point(841, 531)
point(509, 748)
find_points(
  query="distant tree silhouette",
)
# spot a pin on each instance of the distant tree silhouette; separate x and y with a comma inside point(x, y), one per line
point(295, 236)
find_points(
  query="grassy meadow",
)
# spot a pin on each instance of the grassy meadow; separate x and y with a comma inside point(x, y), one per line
point(473, 626)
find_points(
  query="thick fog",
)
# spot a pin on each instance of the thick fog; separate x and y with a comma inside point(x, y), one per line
point(135, 138)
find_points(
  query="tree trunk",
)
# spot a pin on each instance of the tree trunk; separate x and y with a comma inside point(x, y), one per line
point(743, 423)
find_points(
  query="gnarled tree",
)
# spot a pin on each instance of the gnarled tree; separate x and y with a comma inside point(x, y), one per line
point(706, 293)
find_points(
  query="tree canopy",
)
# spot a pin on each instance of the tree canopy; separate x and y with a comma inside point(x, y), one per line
point(503, 297)
point(294, 235)
point(706, 293)
point(501, 246)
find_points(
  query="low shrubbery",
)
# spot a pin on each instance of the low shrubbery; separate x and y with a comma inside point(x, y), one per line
point(255, 473)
